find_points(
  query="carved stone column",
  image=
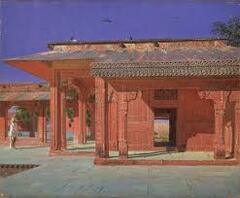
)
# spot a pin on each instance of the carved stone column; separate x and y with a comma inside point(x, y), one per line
point(45, 109)
point(3, 122)
point(101, 134)
point(219, 149)
point(122, 124)
point(34, 121)
point(219, 99)
point(41, 123)
point(237, 129)
point(82, 129)
point(63, 118)
point(55, 112)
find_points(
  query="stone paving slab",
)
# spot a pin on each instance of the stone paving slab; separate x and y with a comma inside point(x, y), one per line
point(79, 177)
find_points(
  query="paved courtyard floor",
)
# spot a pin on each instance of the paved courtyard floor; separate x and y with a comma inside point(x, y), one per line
point(79, 177)
point(89, 146)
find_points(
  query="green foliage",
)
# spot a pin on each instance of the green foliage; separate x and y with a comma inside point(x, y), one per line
point(71, 95)
point(70, 114)
point(88, 118)
point(23, 116)
point(229, 30)
point(48, 114)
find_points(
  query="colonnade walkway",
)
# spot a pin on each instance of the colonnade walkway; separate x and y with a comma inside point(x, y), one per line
point(75, 176)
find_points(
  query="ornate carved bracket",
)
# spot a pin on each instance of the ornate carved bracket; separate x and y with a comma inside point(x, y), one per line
point(235, 96)
point(219, 98)
point(111, 96)
point(133, 95)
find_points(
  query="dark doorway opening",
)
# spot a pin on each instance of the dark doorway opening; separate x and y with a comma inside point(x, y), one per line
point(164, 127)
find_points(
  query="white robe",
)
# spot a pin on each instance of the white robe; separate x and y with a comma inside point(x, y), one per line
point(12, 130)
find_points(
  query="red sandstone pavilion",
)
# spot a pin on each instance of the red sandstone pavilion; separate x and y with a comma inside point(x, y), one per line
point(193, 86)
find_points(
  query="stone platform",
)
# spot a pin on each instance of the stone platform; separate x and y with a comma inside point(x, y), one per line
point(74, 176)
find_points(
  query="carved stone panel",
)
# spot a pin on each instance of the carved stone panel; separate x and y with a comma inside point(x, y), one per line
point(166, 94)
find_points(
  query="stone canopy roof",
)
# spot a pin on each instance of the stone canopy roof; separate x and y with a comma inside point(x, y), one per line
point(24, 96)
point(167, 69)
point(24, 92)
point(149, 58)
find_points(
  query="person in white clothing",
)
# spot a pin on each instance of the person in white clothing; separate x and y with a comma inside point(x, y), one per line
point(12, 133)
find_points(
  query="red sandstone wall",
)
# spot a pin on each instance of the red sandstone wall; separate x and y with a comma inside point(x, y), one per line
point(113, 125)
point(140, 123)
point(197, 121)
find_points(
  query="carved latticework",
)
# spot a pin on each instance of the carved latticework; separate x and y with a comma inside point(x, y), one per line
point(165, 94)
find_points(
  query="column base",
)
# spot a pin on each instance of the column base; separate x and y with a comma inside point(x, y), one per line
point(237, 153)
point(63, 148)
point(219, 152)
point(123, 150)
point(181, 148)
point(100, 153)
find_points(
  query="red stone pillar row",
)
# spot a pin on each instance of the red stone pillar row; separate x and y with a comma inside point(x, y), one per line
point(122, 124)
point(3, 122)
point(57, 113)
point(101, 134)
point(237, 129)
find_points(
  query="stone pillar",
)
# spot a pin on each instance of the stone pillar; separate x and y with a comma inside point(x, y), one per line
point(82, 126)
point(3, 122)
point(219, 99)
point(45, 109)
point(63, 118)
point(180, 133)
point(41, 123)
point(237, 129)
point(219, 147)
point(101, 134)
point(76, 125)
point(55, 111)
point(32, 133)
point(122, 124)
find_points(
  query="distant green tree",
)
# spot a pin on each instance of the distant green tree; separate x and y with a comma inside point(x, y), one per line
point(229, 30)
point(70, 113)
point(23, 116)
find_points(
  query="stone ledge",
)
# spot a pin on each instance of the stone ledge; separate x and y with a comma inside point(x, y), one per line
point(127, 162)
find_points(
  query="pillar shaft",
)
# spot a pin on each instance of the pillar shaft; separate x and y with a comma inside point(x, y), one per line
point(55, 112)
point(219, 150)
point(41, 123)
point(3, 122)
point(34, 124)
point(237, 130)
point(101, 134)
point(82, 128)
point(122, 123)
point(63, 118)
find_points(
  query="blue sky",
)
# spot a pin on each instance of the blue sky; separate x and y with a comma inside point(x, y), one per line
point(27, 26)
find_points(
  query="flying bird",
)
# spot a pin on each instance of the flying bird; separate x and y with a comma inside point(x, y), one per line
point(106, 20)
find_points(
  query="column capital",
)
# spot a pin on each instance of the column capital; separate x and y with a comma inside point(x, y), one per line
point(100, 90)
point(219, 107)
point(55, 78)
point(237, 105)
